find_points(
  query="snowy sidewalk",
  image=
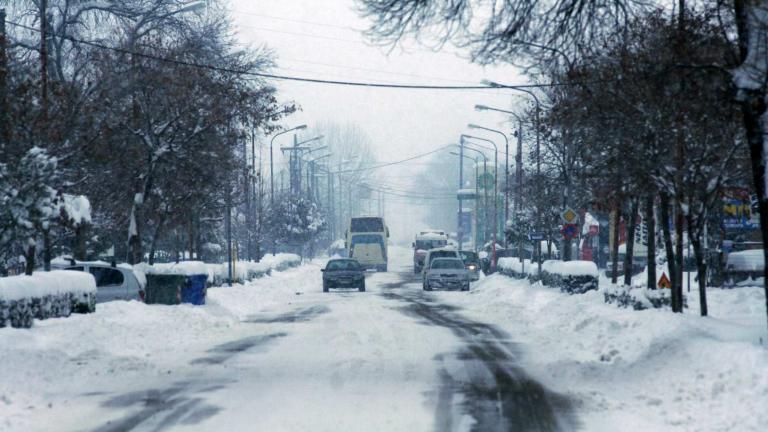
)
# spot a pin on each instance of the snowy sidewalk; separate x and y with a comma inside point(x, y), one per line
point(637, 371)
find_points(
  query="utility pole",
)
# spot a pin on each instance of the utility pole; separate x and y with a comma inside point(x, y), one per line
point(459, 232)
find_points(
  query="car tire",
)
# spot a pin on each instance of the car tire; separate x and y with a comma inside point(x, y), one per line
point(361, 288)
point(325, 287)
point(427, 287)
point(465, 287)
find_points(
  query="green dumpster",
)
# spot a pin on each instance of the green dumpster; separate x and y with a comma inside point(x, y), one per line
point(164, 289)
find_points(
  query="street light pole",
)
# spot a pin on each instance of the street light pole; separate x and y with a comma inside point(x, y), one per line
point(538, 143)
point(495, 180)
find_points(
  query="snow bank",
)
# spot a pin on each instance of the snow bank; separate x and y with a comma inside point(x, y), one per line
point(573, 268)
point(512, 266)
point(650, 370)
point(575, 277)
point(45, 295)
point(748, 260)
point(219, 273)
point(42, 284)
point(183, 268)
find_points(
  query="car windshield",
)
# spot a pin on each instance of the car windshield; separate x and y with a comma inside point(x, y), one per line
point(343, 265)
point(447, 264)
point(468, 256)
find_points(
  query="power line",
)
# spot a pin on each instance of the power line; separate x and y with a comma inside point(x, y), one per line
point(395, 162)
point(296, 78)
point(296, 20)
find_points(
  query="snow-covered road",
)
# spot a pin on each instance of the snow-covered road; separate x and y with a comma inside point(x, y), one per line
point(275, 355)
point(278, 354)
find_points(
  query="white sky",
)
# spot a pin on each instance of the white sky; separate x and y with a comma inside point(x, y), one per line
point(322, 39)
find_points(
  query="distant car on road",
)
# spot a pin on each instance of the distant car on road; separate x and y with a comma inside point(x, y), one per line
point(112, 283)
point(472, 263)
point(447, 273)
point(343, 273)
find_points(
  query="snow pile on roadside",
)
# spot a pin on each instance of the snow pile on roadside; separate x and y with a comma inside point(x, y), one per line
point(748, 260)
point(42, 284)
point(514, 265)
point(183, 268)
point(638, 371)
point(217, 273)
point(571, 268)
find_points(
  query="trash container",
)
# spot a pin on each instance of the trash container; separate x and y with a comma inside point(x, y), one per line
point(164, 289)
point(193, 291)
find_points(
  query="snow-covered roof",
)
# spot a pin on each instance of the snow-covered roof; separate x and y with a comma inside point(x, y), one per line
point(431, 236)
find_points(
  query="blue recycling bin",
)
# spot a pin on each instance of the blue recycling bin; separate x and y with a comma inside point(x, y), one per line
point(193, 291)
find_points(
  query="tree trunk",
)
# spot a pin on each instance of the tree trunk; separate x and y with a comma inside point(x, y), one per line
point(47, 250)
point(80, 241)
point(668, 245)
point(701, 267)
point(629, 257)
point(650, 221)
point(155, 236)
point(615, 248)
point(750, 25)
point(29, 255)
point(135, 254)
point(191, 237)
point(677, 286)
point(753, 109)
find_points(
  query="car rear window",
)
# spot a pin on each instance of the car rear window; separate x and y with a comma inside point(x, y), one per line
point(106, 276)
point(343, 265)
point(447, 264)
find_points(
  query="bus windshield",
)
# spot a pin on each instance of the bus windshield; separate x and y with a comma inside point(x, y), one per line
point(367, 224)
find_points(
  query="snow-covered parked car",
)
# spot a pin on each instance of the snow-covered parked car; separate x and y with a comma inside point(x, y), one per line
point(112, 283)
point(744, 268)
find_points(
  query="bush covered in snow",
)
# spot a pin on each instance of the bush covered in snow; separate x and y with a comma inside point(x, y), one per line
point(45, 295)
point(638, 298)
point(242, 271)
point(573, 277)
point(511, 266)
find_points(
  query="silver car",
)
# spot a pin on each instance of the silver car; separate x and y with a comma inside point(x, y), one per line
point(112, 283)
point(448, 273)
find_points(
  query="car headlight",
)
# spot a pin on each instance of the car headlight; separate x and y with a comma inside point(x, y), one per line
point(472, 267)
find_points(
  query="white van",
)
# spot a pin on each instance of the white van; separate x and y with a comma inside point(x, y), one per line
point(367, 242)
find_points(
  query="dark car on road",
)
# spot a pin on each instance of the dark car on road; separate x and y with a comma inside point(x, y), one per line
point(472, 263)
point(343, 273)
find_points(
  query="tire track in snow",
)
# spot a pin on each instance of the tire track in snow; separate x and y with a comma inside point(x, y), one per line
point(482, 379)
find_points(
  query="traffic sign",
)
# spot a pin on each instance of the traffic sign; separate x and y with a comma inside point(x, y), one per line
point(664, 281)
point(536, 236)
point(570, 231)
point(569, 216)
